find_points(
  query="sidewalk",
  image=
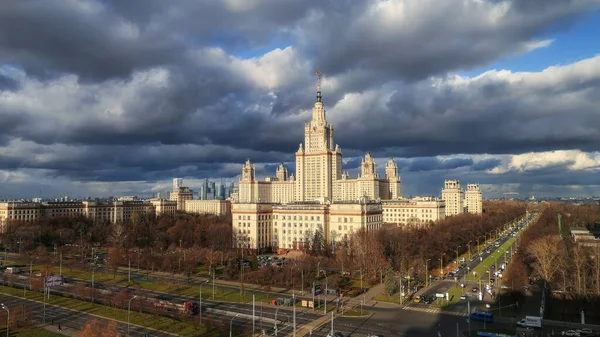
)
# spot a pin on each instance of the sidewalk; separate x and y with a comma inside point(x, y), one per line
point(352, 303)
point(66, 331)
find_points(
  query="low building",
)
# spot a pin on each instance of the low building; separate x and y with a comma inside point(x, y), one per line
point(588, 236)
point(417, 211)
point(216, 207)
point(163, 206)
point(292, 226)
point(111, 211)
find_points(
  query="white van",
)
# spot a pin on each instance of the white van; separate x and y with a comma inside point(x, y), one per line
point(530, 322)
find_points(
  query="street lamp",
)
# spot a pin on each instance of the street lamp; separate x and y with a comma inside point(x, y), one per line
point(457, 255)
point(442, 265)
point(276, 310)
point(231, 324)
point(200, 298)
point(426, 274)
point(128, 312)
point(469, 245)
point(7, 317)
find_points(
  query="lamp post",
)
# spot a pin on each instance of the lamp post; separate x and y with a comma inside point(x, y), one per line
point(128, 312)
point(231, 324)
point(93, 271)
point(442, 265)
point(426, 274)
point(457, 255)
point(276, 310)
point(469, 245)
point(7, 318)
point(200, 298)
point(325, 296)
point(214, 272)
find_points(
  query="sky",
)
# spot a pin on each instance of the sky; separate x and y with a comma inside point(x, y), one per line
point(111, 97)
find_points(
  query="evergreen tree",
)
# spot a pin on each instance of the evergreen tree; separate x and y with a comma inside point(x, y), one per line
point(390, 282)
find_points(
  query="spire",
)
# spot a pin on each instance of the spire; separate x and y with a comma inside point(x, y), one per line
point(319, 74)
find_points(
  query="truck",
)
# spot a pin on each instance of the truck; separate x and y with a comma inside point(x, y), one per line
point(530, 322)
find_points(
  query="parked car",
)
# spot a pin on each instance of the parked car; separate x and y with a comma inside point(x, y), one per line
point(571, 333)
point(585, 332)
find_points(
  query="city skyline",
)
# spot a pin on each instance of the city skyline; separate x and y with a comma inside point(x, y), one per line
point(484, 94)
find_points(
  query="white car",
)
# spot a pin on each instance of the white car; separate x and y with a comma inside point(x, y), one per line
point(571, 333)
point(585, 332)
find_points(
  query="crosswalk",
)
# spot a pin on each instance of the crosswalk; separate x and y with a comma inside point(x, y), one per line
point(435, 311)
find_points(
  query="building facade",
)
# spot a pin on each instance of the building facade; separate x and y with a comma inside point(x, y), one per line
point(101, 211)
point(473, 199)
point(216, 207)
point(452, 195)
point(285, 212)
point(418, 211)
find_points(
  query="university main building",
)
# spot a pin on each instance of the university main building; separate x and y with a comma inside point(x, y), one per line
point(284, 212)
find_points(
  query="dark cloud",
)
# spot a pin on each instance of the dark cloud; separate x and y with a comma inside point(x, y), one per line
point(8, 84)
point(144, 90)
point(486, 164)
point(428, 164)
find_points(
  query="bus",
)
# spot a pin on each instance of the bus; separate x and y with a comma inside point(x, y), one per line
point(482, 316)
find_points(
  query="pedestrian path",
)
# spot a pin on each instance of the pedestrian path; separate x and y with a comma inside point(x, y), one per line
point(436, 311)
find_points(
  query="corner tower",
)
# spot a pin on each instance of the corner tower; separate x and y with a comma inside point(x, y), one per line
point(319, 164)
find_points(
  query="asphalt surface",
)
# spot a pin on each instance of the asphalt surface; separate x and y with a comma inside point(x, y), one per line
point(70, 319)
point(219, 310)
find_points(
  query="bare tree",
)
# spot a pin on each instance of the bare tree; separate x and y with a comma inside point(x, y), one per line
point(118, 235)
point(545, 252)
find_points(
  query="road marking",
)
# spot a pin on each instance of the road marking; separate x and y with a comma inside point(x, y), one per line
point(436, 311)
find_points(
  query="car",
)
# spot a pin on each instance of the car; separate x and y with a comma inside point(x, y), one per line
point(571, 333)
point(585, 332)
point(334, 334)
point(475, 289)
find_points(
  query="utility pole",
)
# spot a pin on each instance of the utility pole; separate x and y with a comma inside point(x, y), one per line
point(294, 308)
point(93, 271)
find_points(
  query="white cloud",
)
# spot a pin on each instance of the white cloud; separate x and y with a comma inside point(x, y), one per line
point(573, 160)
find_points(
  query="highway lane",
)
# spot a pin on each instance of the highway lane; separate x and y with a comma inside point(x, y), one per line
point(396, 322)
point(70, 319)
point(212, 309)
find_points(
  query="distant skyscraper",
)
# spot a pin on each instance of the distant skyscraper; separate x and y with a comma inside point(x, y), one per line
point(204, 189)
point(177, 183)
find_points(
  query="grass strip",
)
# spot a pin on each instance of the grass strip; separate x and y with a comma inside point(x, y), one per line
point(490, 260)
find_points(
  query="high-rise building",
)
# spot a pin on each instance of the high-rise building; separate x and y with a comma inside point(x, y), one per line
point(285, 211)
point(452, 194)
point(473, 199)
point(180, 193)
point(177, 183)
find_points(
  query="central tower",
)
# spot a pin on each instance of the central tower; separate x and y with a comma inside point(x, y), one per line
point(319, 163)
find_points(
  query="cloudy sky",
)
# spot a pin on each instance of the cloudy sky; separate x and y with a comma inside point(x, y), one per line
point(112, 97)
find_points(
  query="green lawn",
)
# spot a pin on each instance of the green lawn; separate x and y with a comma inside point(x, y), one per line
point(490, 260)
point(383, 297)
point(143, 319)
point(453, 295)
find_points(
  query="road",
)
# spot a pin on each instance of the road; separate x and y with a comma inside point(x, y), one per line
point(217, 310)
point(443, 286)
point(70, 320)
